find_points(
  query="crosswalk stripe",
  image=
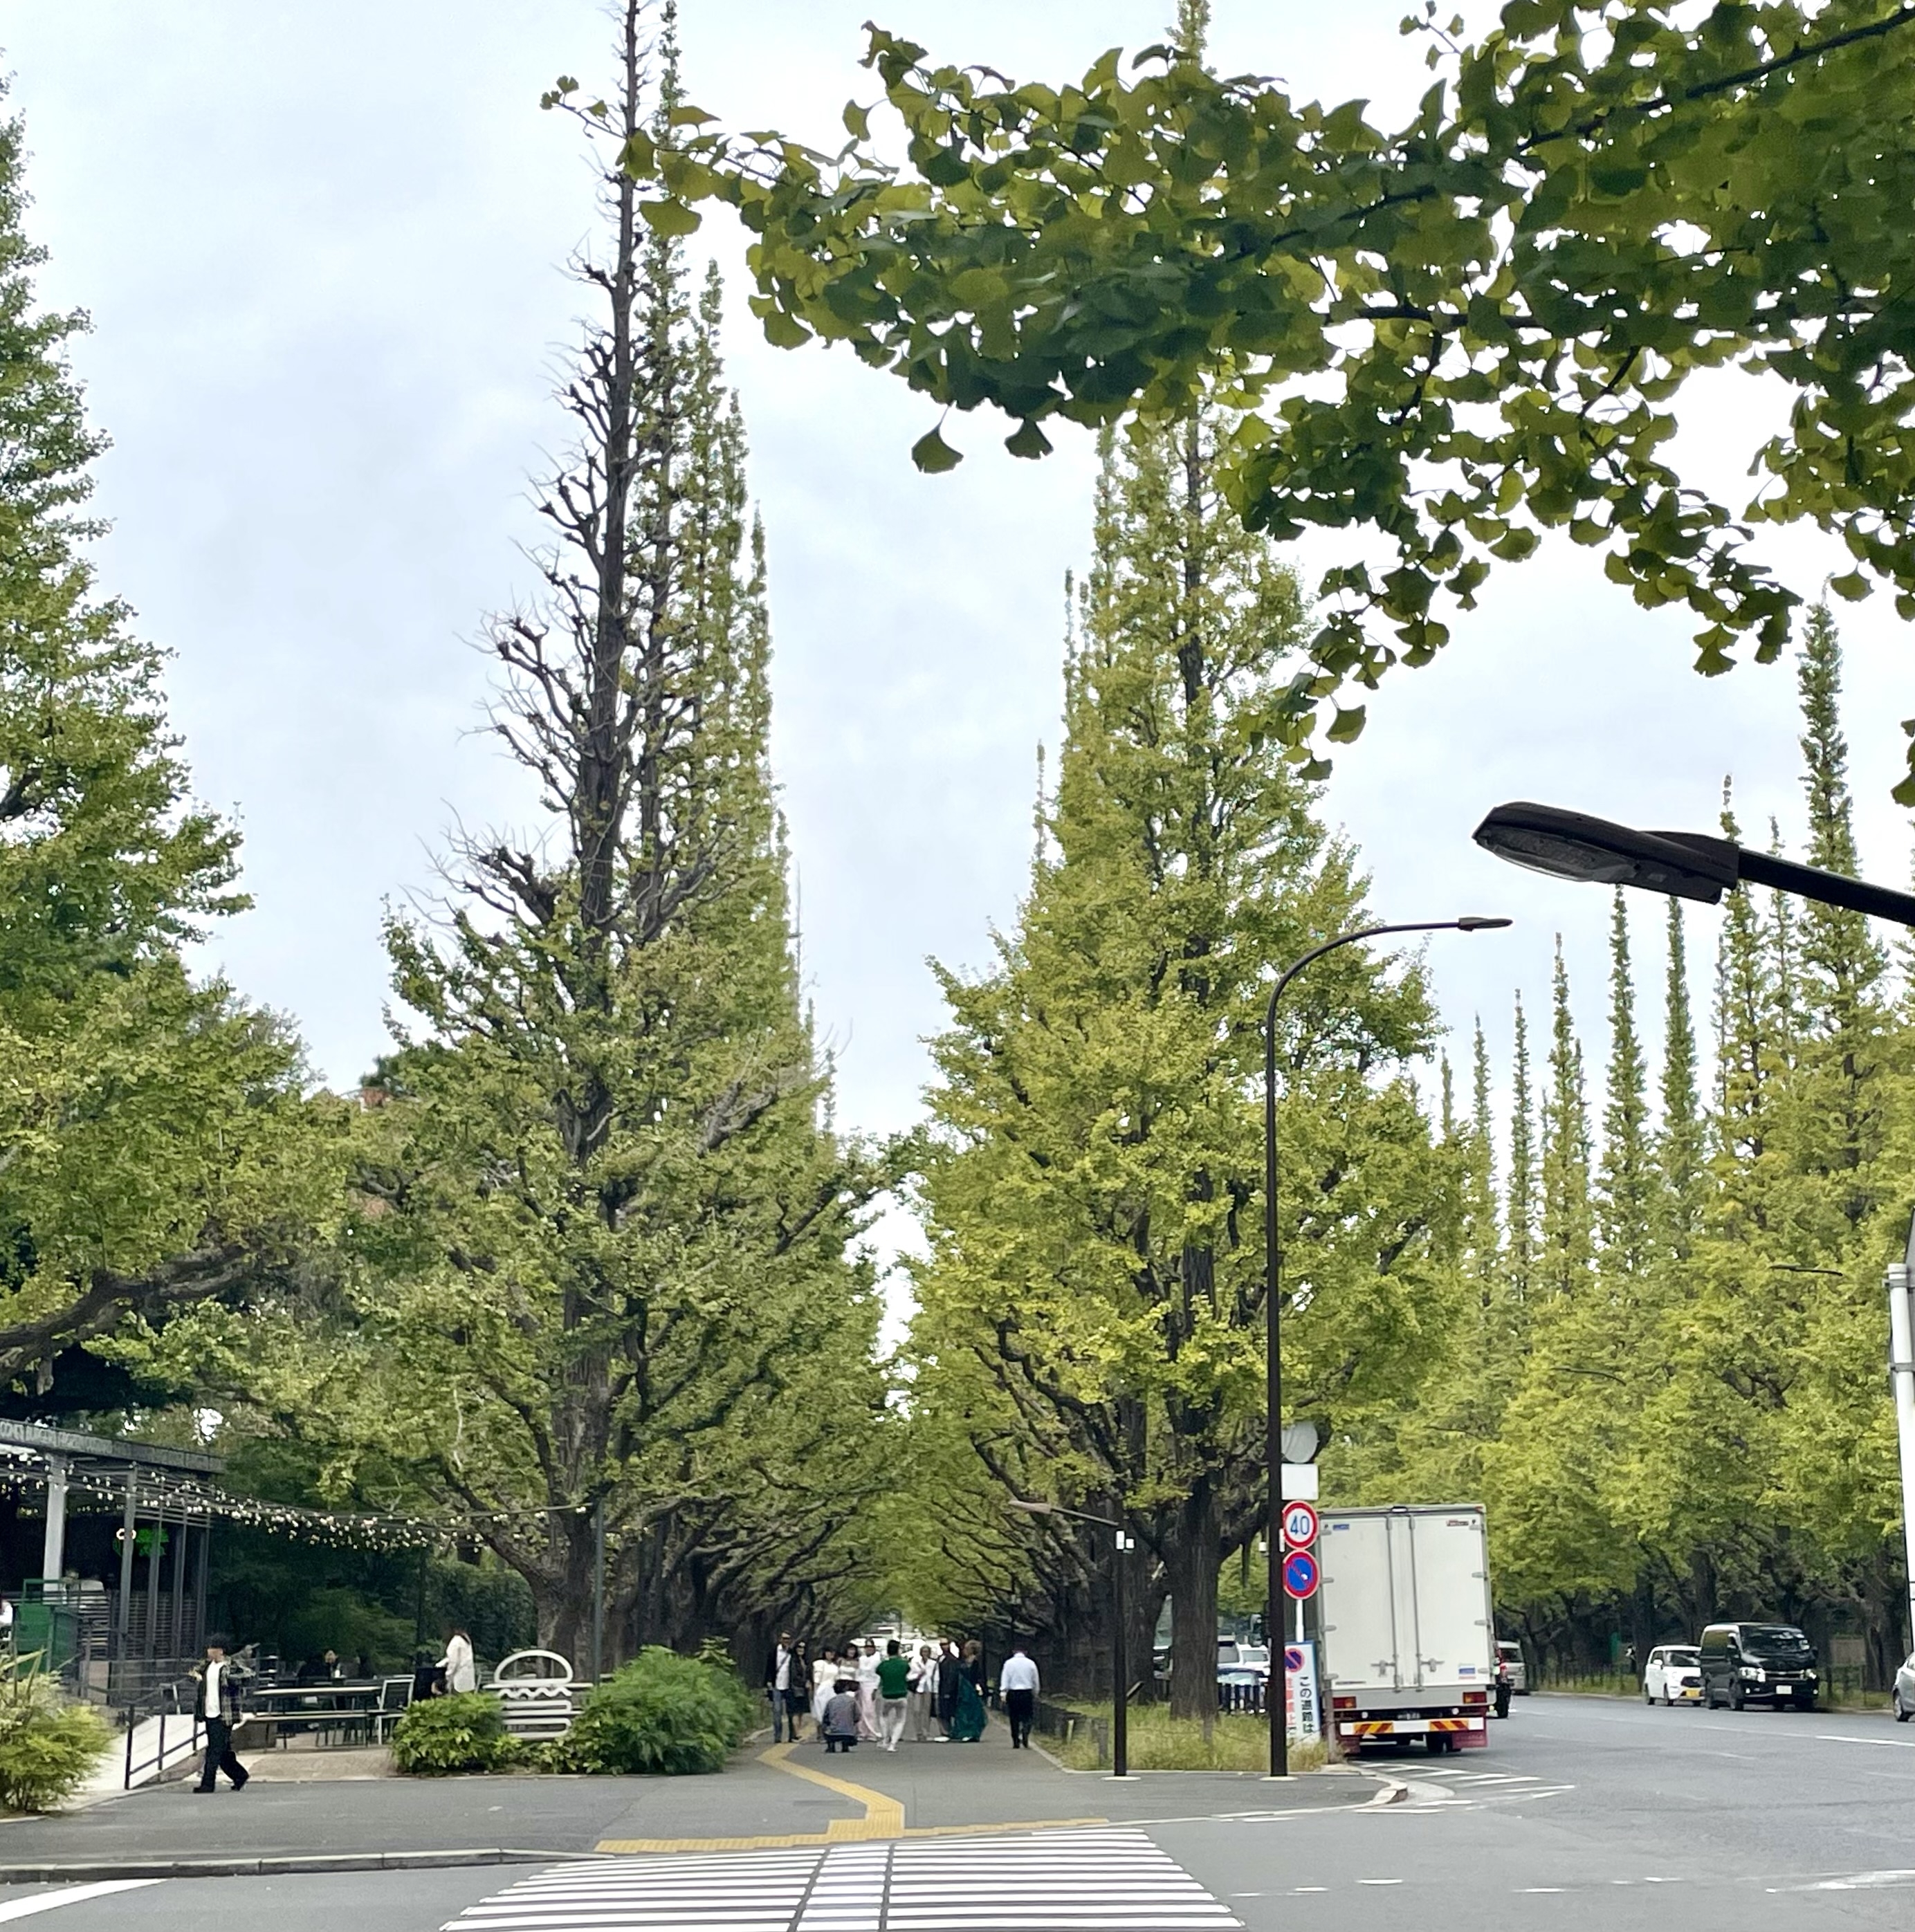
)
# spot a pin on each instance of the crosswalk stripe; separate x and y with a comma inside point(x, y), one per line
point(1085, 1881)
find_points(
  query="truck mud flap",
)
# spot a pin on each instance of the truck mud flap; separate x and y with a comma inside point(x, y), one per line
point(1470, 1733)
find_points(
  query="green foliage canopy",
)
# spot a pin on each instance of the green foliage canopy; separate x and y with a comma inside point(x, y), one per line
point(155, 1147)
point(1461, 332)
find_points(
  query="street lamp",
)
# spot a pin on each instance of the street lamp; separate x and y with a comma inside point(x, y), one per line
point(1685, 865)
point(1120, 1738)
point(1690, 865)
point(1902, 1380)
point(1275, 1702)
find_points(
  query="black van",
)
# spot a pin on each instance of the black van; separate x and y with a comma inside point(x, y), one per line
point(1767, 1664)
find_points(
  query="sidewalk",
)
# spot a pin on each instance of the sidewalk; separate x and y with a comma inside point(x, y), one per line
point(788, 1795)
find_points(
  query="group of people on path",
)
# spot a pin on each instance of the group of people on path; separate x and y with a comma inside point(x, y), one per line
point(857, 1696)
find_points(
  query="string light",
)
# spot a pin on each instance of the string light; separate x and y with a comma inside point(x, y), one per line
point(158, 1493)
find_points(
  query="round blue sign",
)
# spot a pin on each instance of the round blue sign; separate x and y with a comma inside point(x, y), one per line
point(1300, 1573)
point(1292, 1658)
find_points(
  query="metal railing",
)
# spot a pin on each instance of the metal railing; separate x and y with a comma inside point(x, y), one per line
point(164, 1705)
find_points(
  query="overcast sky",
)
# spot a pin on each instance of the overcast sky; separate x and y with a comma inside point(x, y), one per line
point(318, 243)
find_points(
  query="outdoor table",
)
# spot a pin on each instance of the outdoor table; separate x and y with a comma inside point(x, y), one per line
point(326, 1706)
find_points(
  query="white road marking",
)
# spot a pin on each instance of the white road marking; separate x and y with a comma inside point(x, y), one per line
point(1112, 1880)
point(1893, 1743)
point(1868, 1881)
point(71, 1895)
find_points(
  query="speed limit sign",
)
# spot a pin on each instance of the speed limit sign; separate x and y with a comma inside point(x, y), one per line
point(1299, 1525)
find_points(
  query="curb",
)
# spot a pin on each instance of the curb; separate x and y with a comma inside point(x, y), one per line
point(269, 1867)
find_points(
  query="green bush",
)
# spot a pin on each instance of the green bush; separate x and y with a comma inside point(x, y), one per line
point(47, 1745)
point(439, 1735)
point(662, 1713)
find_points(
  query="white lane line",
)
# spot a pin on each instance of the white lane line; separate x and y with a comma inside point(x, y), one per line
point(71, 1895)
point(1893, 1743)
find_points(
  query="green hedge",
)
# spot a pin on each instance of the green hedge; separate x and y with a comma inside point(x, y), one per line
point(439, 1736)
point(47, 1745)
point(661, 1714)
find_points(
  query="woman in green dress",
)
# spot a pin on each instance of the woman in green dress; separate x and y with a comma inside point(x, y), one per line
point(967, 1717)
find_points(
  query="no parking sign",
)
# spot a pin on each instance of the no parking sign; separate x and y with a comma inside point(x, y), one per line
point(1299, 1699)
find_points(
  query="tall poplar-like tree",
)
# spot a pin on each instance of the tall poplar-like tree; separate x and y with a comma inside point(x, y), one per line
point(1625, 1197)
point(1566, 1247)
point(606, 1274)
point(1680, 1143)
point(1519, 1203)
point(1095, 1293)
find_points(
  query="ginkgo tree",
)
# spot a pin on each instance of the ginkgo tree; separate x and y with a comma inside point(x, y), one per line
point(1457, 334)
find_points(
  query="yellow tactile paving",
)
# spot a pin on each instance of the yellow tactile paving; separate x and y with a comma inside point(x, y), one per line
point(884, 1819)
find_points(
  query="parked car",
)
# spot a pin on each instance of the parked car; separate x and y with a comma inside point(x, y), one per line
point(1768, 1664)
point(1903, 1696)
point(1673, 1675)
point(1509, 1654)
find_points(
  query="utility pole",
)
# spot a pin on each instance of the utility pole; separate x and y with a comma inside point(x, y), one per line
point(1901, 1380)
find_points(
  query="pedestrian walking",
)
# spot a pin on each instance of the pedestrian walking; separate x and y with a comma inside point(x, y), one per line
point(866, 1665)
point(841, 1718)
point(779, 1670)
point(461, 1673)
point(950, 1672)
point(216, 1704)
point(893, 1691)
point(1018, 1682)
point(923, 1693)
point(797, 1692)
point(969, 1716)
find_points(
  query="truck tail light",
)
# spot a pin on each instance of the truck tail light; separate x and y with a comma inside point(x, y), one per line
point(1475, 1697)
point(1343, 1703)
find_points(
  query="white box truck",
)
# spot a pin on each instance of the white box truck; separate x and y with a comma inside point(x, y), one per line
point(1408, 1643)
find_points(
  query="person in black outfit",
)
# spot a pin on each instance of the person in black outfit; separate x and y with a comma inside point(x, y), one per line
point(949, 1667)
point(216, 1704)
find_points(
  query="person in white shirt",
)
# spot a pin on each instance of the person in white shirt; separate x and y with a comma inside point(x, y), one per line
point(923, 1693)
point(216, 1704)
point(461, 1673)
point(1018, 1680)
point(777, 1669)
point(866, 1661)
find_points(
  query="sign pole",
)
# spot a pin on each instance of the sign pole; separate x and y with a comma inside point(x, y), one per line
point(1120, 1725)
point(1902, 1379)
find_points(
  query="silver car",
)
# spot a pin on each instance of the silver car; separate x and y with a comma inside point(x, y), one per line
point(1903, 1696)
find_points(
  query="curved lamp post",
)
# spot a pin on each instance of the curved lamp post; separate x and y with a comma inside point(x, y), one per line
point(1275, 1698)
point(1690, 865)
point(1120, 1751)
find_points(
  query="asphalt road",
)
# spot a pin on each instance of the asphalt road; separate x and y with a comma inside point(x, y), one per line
point(1590, 1813)
point(1582, 1814)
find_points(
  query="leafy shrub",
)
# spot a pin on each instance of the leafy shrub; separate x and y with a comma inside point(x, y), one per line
point(662, 1713)
point(47, 1745)
point(438, 1735)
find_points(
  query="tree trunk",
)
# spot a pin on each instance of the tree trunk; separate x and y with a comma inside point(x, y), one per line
point(1193, 1556)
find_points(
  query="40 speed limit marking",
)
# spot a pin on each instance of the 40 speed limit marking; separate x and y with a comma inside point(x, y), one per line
point(1299, 1525)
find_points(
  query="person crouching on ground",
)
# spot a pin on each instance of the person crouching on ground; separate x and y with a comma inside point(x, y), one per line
point(216, 1703)
point(840, 1716)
